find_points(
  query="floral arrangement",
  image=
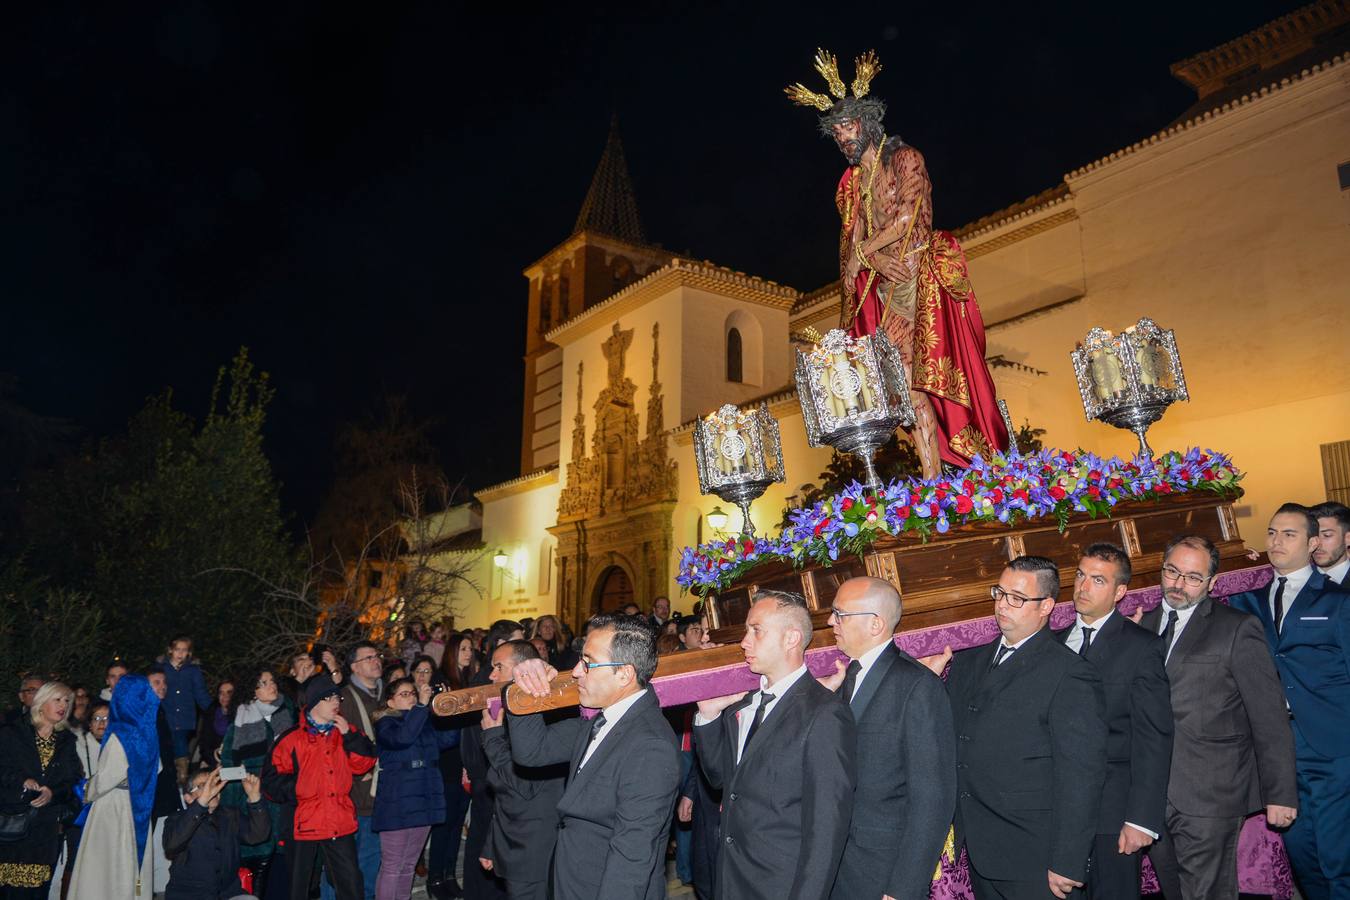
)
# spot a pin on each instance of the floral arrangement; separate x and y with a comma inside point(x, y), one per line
point(1008, 488)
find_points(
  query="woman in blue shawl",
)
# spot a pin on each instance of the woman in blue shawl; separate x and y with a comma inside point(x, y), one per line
point(114, 861)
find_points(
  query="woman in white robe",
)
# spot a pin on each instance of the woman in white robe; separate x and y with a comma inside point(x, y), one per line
point(112, 863)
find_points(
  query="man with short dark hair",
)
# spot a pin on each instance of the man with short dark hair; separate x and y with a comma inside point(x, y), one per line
point(1138, 720)
point(524, 800)
point(1030, 746)
point(1232, 752)
point(362, 696)
point(28, 688)
point(691, 633)
point(1332, 554)
point(906, 773)
point(784, 758)
point(203, 840)
point(1306, 618)
point(623, 766)
point(111, 675)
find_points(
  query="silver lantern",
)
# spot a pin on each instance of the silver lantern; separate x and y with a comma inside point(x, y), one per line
point(739, 454)
point(854, 393)
point(1128, 380)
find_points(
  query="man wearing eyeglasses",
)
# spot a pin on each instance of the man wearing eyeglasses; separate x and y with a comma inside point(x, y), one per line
point(623, 766)
point(28, 688)
point(1030, 746)
point(1306, 620)
point(906, 771)
point(1138, 720)
point(783, 757)
point(1232, 751)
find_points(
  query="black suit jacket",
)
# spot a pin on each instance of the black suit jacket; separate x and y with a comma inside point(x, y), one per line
point(1031, 758)
point(524, 811)
point(786, 807)
point(614, 815)
point(906, 774)
point(1232, 752)
point(1138, 724)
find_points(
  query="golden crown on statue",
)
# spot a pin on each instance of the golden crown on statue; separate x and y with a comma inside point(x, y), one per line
point(865, 68)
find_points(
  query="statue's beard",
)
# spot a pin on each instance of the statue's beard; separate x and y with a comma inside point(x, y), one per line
point(853, 150)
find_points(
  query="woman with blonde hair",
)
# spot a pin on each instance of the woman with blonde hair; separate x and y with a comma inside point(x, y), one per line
point(38, 772)
point(560, 654)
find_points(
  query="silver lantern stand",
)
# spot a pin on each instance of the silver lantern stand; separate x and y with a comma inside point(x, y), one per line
point(739, 454)
point(1128, 380)
point(854, 393)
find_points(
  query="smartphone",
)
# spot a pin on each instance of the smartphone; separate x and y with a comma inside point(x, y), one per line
point(232, 773)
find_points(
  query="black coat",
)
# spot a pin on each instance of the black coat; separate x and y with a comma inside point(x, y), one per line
point(786, 806)
point(614, 815)
point(18, 762)
point(1233, 749)
point(906, 774)
point(1138, 724)
point(168, 798)
point(524, 811)
point(204, 849)
point(1030, 758)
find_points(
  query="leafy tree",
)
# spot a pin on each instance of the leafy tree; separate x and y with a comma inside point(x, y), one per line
point(52, 632)
point(146, 523)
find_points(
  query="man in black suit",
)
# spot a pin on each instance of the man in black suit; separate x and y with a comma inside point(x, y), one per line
point(1232, 751)
point(906, 773)
point(1030, 746)
point(623, 766)
point(1129, 660)
point(1332, 553)
point(784, 758)
point(524, 801)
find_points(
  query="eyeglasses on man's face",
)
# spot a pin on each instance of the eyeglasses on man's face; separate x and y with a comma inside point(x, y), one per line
point(405, 693)
point(841, 615)
point(365, 659)
point(1172, 573)
point(601, 665)
point(997, 593)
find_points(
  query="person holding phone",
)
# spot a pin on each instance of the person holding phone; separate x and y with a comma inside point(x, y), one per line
point(202, 841)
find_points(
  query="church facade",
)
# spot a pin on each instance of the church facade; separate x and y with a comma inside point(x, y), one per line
point(1232, 226)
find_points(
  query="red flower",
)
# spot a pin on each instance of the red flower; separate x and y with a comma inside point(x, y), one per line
point(964, 504)
point(1008, 479)
point(1021, 494)
point(846, 504)
point(914, 497)
point(968, 487)
point(996, 495)
point(1209, 475)
point(1057, 492)
point(1095, 475)
point(1067, 457)
point(749, 547)
point(1163, 488)
point(940, 494)
point(903, 513)
point(820, 526)
point(1115, 483)
point(1095, 492)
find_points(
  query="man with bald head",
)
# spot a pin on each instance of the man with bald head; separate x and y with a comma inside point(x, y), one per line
point(906, 756)
point(783, 757)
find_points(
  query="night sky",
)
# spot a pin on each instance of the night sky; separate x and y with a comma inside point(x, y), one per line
point(353, 191)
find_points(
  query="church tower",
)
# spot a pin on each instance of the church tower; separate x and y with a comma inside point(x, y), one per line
point(606, 251)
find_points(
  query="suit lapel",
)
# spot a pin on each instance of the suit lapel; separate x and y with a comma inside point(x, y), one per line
point(583, 741)
point(1191, 635)
point(998, 678)
point(610, 745)
point(733, 727)
point(875, 675)
point(774, 720)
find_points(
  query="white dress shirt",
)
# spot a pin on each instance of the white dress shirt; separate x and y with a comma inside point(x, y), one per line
point(1074, 639)
point(1183, 616)
point(1293, 584)
point(1338, 572)
point(865, 663)
point(613, 714)
point(747, 715)
point(1003, 642)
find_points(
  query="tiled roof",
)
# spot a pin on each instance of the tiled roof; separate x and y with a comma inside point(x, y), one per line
point(610, 207)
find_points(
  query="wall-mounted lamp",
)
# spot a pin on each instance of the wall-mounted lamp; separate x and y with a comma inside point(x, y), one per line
point(717, 518)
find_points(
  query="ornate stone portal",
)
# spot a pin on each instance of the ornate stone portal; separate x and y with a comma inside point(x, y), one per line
point(614, 513)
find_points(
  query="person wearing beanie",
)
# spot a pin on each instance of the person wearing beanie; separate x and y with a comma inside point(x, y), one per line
point(311, 768)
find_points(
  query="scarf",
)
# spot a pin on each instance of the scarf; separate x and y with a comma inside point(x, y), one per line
point(132, 719)
point(258, 723)
point(315, 726)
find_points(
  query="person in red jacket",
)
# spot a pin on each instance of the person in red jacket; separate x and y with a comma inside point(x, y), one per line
point(313, 765)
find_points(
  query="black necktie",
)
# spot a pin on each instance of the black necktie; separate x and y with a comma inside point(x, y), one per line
point(1003, 652)
point(1087, 641)
point(1170, 632)
point(851, 679)
point(765, 699)
point(1279, 604)
point(596, 724)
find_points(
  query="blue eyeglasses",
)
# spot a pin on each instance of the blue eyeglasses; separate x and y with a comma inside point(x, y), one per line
point(608, 665)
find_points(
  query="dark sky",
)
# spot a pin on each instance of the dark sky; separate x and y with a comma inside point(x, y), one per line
point(352, 191)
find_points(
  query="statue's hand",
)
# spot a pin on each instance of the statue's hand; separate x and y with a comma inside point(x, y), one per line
point(852, 268)
point(892, 269)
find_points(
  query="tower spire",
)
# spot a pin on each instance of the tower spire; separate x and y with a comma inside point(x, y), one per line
point(610, 207)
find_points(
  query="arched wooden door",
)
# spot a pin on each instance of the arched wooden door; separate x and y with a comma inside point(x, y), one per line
point(612, 591)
